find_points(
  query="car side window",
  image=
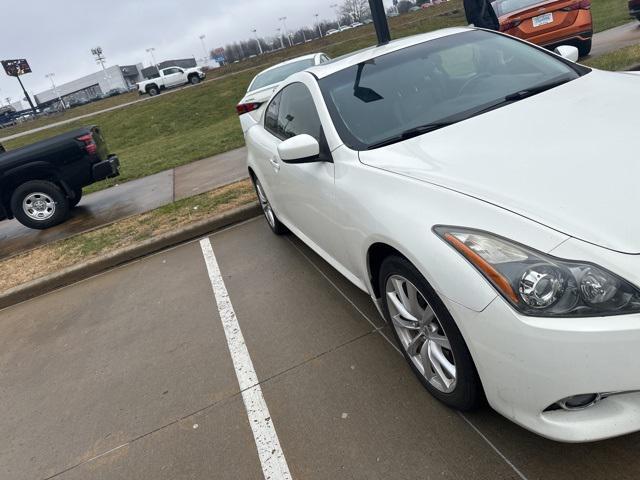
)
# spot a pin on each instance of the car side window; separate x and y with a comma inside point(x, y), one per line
point(271, 115)
point(169, 71)
point(297, 113)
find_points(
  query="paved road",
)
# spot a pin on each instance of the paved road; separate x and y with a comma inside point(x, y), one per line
point(130, 198)
point(129, 375)
point(616, 38)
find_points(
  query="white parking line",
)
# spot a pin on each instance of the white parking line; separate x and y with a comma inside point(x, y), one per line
point(274, 464)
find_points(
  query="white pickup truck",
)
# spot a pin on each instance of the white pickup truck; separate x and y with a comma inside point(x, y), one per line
point(171, 77)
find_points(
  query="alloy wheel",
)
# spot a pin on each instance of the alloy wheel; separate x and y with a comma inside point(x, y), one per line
point(266, 206)
point(421, 333)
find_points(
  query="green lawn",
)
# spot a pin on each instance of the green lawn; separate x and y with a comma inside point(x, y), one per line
point(197, 122)
point(622, 59)
point(609, 13)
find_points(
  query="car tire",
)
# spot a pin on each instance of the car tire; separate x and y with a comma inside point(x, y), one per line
point(195, 79)
point(153, 91)
point(272, 220)
point(77, 196)
point(584, 48)
point(433, 343)
point(39, 204)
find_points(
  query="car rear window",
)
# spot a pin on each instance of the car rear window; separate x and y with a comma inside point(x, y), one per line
point(504, 7)
point(278, 74)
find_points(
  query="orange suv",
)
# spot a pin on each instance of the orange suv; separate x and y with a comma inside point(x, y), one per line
point(548, 23)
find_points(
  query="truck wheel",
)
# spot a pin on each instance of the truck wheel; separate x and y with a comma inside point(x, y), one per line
point(195, 79)
point(77, 196)
point(153, 91)
point(39, 204)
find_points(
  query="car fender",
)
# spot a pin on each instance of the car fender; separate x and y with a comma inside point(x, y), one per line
point(403, 215)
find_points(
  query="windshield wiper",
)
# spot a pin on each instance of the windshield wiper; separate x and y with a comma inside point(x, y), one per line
point(543, 87)
point(410, 133)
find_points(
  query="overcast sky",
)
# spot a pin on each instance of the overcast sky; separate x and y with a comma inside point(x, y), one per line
point(57, 35)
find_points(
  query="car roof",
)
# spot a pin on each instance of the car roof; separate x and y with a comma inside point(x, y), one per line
point(349, 60)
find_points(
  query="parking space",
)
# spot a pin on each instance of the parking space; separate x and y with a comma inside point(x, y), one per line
point(129, 375)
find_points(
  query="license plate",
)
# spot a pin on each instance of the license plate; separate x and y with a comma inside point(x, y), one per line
point(542, 19)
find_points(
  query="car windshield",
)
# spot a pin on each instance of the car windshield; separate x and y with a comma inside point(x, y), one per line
point(503, 7)
point(433, 84)
point(278, 74)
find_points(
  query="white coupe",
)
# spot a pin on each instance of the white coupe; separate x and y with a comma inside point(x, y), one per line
point(482, 190)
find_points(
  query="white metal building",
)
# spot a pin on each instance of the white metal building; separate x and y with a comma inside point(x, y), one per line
point(94, 85)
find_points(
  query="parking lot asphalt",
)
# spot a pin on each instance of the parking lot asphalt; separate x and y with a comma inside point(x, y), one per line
point(130, 198)
point(131, 375)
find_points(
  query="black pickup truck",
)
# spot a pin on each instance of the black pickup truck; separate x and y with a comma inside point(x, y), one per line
point(41, 182)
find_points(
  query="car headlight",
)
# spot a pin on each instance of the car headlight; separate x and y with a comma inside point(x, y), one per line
point(538, 284)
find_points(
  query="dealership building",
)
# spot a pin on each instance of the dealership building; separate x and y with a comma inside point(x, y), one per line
point(92, 86)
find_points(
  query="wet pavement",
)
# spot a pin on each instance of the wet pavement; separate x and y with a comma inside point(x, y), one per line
point(129, 375)
point(615, 38)
point(131, 198)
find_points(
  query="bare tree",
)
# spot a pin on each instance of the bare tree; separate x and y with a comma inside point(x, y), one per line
point(357, 10)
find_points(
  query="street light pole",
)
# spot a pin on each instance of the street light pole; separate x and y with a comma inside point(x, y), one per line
point(335, 5)
point(255, 33)
point(318, 23)
point(286, 32)
point(280, 36)
point(204, 48)
point(153, 57)
point(55, 89)
point(100, 60)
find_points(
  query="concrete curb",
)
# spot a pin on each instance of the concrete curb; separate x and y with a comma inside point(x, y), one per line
point(108, 261)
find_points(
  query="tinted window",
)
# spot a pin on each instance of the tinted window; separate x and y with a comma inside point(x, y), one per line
point(297, 113)
point(271, 115)
point(278, 74)
point(169, 71)
point(445, 80)
point(503, 7)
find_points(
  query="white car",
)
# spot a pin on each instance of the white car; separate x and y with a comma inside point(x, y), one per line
point(171, 77)
point(264, 84)
point(483, 191)
point(331, 32)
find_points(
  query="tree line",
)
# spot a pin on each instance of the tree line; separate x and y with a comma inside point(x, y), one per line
point(348, 12)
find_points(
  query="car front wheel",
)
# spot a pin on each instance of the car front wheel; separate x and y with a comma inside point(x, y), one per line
point(194, 80)
point(428, 336)
point(276, 226)
point(39, 204)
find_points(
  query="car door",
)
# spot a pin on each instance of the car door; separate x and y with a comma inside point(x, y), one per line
point(305, 198)
point(264, 145)
point(172, 77)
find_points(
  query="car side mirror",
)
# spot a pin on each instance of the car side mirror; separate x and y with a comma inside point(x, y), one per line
point(568, 52)
point(299, 149)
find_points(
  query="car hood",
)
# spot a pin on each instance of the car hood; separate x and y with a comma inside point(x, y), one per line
point(567, 158)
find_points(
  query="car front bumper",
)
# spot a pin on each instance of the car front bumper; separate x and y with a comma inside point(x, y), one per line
point(108, 168)
point(527, 364)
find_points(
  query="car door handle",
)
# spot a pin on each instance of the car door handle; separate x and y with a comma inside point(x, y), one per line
point(275, 163)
